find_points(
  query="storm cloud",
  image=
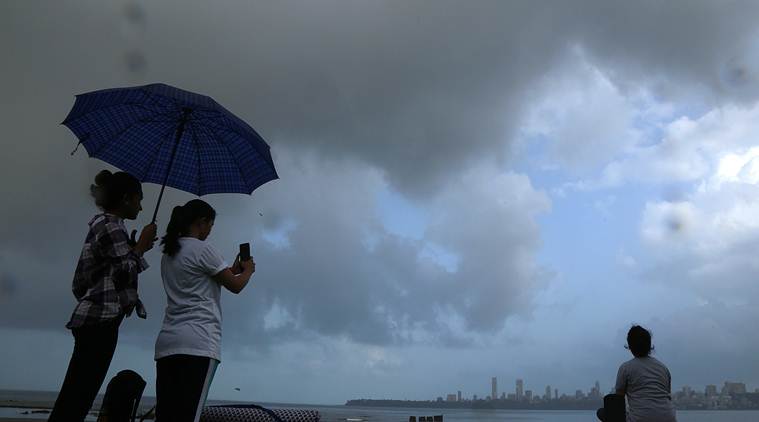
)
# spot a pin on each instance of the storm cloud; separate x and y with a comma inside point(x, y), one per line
point(473, 116)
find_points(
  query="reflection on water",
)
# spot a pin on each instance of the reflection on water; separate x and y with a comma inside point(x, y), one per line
point(346, 414)
point(31, 414)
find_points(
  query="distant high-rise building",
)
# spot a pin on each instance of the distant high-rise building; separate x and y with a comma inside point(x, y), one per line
point(731, 388)
point(595, 391)
point(547, 396)
point(687, 391)
point(520, 390)
point(528, 395)
point(711, 390)
point(503, 396)
point(579, 394)
point(511, 397)
point(494, 388)
point(450, 397)
point(555, 393)
point(459, 396)
point(474, 397)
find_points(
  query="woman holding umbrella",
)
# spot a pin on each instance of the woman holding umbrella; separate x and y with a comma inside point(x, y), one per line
point(105, 286)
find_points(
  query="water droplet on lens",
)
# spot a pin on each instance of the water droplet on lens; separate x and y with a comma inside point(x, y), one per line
point(135, 61)
point(134, 13)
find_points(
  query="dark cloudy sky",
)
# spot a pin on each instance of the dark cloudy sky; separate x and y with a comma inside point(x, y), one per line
point(468, 189)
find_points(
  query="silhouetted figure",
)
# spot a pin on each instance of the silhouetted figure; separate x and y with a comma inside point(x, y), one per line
point(105, 287)
point(188, 348)
point(644, 381)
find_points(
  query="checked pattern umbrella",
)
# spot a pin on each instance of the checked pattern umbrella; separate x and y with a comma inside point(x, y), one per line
point(165, 135)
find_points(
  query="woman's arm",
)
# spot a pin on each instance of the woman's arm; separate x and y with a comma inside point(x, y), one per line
point(113, 243)
point(146, 241)
point(236, 282)
point(621, 384)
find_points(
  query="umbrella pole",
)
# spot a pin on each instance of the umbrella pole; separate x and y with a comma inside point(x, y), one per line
point(180, 130)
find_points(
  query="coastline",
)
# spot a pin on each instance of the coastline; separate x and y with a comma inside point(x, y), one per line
point(557, 405)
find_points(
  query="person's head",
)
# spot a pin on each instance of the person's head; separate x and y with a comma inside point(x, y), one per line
point(193, 219)
point(639, 341)
point(117, 193)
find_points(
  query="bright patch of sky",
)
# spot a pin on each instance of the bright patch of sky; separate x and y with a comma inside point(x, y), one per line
point(401, 216)
point(279, 236)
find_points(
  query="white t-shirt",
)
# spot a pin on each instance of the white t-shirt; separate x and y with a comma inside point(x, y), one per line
point(192, 324)
point(647, 384)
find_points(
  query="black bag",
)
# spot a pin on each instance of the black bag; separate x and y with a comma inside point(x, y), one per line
point(122, 397)
point(614, 407)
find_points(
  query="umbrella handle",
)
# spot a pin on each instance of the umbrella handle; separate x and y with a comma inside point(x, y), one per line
point(158, 204)
point(180, 131)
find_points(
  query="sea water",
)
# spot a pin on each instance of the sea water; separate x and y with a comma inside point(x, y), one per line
point(391, 414)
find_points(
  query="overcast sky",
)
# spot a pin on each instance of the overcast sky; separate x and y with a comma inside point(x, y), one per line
point(468, 189)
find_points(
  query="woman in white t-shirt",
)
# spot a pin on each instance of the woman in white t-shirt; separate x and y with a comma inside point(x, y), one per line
point(188, 348)
point(644, 381)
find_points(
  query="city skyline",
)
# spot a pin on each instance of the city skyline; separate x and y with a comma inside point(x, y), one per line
point(732, 395)
point(595, 391)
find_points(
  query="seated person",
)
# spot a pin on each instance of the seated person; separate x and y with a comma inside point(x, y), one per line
point(644, 381)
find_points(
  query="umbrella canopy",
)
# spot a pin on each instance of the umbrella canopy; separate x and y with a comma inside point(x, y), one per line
point(166, 135)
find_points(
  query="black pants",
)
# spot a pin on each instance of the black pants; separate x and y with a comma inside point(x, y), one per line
point(93, 351)
point(182, 383)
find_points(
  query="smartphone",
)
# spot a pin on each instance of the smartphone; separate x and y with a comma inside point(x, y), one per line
point(244, 251)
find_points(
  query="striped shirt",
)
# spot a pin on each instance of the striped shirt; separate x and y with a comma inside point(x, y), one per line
point(105, 280)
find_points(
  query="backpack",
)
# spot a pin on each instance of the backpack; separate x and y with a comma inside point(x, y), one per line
point(122, 397)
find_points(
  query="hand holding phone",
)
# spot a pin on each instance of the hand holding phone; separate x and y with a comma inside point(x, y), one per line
point(236, 266)
point(244, 252)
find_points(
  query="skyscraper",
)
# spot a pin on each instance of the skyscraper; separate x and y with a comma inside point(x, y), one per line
point(494, 388)
point(711, 390)
point(459, 395)
point(547, 396)
point(520, 389)
point(731, 388)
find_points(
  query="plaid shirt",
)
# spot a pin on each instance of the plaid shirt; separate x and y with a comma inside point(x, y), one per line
point(105, 281)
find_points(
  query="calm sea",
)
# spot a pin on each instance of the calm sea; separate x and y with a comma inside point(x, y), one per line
point(380, 414)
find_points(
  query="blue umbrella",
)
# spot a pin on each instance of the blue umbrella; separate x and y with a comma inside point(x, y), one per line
point(162, 134)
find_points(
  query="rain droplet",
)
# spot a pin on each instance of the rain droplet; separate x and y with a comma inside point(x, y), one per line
point(136, 63)
point(134, 20)
point(134, 13)
point(675, 224)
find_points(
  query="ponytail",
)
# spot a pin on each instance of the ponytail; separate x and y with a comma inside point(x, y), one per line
point(182, 218)
point(174, 230)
